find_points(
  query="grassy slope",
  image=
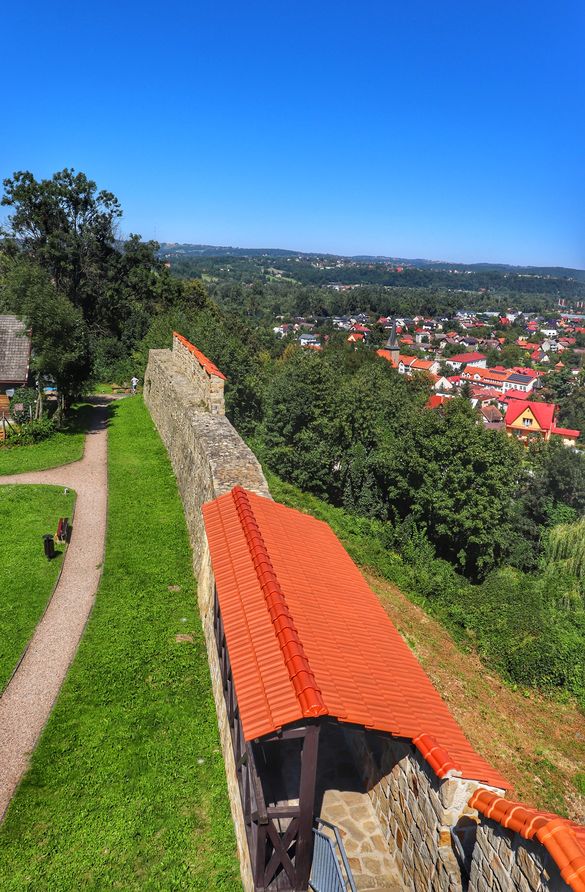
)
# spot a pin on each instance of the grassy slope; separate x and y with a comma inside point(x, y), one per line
point(60, 449)
point(127, 787)
point(26, 577)
point(538, 743)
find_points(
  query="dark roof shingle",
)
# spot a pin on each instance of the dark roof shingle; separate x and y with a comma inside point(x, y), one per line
point(14, 350)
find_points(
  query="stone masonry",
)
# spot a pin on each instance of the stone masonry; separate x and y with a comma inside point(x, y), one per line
point(208, 456)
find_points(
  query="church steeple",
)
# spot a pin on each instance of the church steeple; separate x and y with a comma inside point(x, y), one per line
point(392, 345)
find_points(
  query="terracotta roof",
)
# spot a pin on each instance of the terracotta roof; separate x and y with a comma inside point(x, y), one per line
point(14, 351)
point(422, 364)
point(514, 395)
point(435, 401)
point(466, 357)
point(307, 636)
point(566, 432)
point(563, 839)
point(207, 364)
point(543, 412)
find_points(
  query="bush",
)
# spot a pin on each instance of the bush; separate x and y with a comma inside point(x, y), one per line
point(33, 432)
point(25, 397)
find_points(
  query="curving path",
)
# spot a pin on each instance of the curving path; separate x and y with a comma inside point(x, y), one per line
point(28, 699)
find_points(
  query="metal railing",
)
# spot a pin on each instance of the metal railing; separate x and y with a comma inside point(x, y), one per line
point(330, 871)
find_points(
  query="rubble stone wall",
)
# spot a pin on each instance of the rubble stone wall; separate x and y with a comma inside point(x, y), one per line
point(418, 812)
point(208, 456)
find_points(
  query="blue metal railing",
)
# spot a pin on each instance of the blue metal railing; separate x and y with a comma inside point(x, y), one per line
point(330, 871)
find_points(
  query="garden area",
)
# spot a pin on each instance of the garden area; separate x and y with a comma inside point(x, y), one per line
point(27, 578)
point(40, 445)
point(126, 788)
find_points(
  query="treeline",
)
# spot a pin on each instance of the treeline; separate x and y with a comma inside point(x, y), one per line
point(286, 299)
point(249, 269)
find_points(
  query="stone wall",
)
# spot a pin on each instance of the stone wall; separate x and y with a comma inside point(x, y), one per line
point(205, 381)
point(208, 456)
point(415, 808)
point(503, 860)
point(417, 812)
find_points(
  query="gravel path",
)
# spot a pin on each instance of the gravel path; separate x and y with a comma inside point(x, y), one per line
point(28, 699)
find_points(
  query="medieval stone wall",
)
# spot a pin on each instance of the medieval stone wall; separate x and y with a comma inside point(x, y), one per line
point(206, 387)
point(504, 860)
point(418, 812)
point(208, 456)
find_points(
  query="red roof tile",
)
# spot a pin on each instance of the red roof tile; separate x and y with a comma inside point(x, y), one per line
point(207, 364)
point(307, 636)
point(466, 357)
point(566, 432)
point(563, 839)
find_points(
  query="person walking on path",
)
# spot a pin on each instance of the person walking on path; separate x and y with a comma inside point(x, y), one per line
point(134, 383)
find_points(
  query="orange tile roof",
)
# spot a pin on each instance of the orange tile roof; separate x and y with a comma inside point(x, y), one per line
point(563, 839)
point(207, 364)
point(307, 636)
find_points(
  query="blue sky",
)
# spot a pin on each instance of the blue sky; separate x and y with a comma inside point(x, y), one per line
point(451, 130)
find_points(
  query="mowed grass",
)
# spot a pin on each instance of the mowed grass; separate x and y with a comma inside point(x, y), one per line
point(27, 578)
point(62, 447)
point(127, 787)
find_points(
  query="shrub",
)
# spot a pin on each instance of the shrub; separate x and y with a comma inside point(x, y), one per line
point(25, 397)
point(33, 432)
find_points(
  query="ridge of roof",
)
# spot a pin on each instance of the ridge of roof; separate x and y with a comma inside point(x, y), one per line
point(207, 364)
point(437, 756)
point(563, 839)
point(299, 669)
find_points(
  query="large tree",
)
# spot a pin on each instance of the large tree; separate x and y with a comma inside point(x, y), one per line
point(67, 227)
point(60, 340)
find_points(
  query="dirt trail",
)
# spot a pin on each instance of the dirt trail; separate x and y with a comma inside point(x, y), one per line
point(28, 699)
point(536, 742)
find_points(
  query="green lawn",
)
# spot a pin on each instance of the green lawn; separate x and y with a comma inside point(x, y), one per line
point(61, 448)
point(27, 578)
point(127, 787)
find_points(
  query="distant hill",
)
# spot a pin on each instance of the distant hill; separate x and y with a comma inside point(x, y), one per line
point(187, 250)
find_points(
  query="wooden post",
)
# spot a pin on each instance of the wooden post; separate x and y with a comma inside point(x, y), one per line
point(304, 850)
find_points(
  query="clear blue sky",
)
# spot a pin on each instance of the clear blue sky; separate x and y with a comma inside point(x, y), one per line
point(450, 130)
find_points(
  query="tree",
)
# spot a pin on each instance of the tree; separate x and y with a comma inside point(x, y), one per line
point(60, 339)
point(66, 227)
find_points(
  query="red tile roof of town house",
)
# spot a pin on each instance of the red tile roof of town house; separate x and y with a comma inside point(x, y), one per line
point(566, 432)
point(435, 401)
point(513, 395)
point(563, 839)
point(206, 363)
point(421, 365)
point(307, 637)
point(543, 412)
point(466, 357)
point(523, 370)
point(355, 336)
point(362, 328)
point(477, 373)
point(487, 393)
